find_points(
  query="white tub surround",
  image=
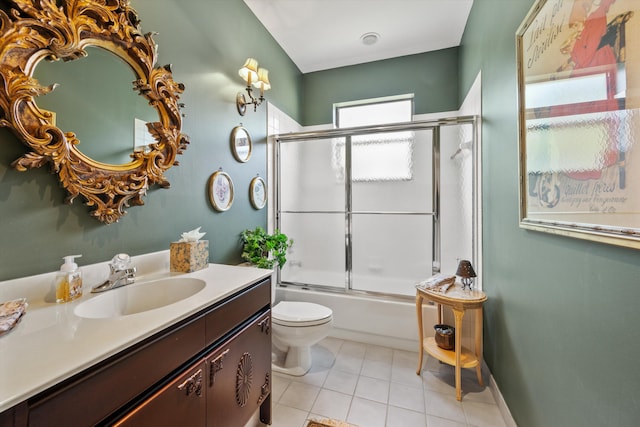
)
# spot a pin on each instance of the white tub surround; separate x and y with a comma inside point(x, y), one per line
point(390, 323)
point(375, 320)
point(51, 343)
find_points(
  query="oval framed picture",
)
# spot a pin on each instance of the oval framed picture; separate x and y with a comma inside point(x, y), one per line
point(220, 191)
point(240, 144)
point(258, 193)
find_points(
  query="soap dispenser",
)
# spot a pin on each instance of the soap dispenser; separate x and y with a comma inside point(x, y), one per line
point(68, 282)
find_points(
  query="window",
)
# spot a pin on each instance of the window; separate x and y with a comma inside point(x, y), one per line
point(371, 112)
point(376, 157)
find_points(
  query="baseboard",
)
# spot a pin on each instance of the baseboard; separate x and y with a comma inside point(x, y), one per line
point(373, 339)
point(497, 395)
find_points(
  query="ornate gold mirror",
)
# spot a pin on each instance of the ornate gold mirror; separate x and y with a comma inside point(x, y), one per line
point(54, 30)
point(94, 99)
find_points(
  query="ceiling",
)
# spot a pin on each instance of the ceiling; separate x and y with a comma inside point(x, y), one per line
point(324, 34)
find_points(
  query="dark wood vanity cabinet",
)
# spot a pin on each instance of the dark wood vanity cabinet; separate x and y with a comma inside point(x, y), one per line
point(223, 389)
point(239, 376)
point(179, 403)
point(212, 369)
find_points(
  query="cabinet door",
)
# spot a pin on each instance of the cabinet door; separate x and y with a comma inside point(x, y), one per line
point(180, 403)
point(239, 376)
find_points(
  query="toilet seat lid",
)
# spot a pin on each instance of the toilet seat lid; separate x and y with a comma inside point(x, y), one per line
point(297, 313)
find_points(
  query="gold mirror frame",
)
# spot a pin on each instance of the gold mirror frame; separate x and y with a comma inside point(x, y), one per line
point(34, 30)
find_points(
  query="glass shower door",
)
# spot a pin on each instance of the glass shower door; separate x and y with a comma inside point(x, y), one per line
point(376, 210)
point(312, 212)
point(391, 211)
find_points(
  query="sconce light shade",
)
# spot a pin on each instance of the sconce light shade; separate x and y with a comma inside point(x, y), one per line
point(466, 273)
point(262, 82)
point(259, 77)
point(249, 71)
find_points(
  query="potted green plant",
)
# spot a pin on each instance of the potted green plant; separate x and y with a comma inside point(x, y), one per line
point(265, 250)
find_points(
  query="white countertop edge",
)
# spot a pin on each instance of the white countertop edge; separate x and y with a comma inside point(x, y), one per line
point(51, 344)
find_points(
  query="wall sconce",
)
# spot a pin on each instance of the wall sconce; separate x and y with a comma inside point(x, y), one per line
point(466, 273)
point(259, 77)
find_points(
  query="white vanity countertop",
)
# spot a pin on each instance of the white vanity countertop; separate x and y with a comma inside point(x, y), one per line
point(51, 343)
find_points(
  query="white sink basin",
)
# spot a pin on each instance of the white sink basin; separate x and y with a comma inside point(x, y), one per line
point(139, 297)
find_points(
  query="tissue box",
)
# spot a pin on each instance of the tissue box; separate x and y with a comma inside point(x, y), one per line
point(186, 257)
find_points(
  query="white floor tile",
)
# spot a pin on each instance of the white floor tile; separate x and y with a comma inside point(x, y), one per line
point(323, 355)
point(378, 353)
point(284, 416)
point(405, 375)
point(444, 406)
point(299, 396)
point(343, 382)
point(316, 376)
point(405, 358)
point(278, 386)
point(433, 364)
point(472, 390)
point(376, 369)
point(348, 363)
point(482, 414)
point(374, 386)
point(367, 413)
point(400, 417)
point(475, 392)
point(437, 381)
point(406, 397)
point(374, 389)
point(355, 349)
point(332, 344)
point(332, 404)
point(433, 421)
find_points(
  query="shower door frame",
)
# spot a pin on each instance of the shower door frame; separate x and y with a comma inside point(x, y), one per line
point(347, 133)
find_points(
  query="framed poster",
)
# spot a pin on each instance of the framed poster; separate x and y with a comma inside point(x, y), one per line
point(240, 144)
point(578, 98)
point(220, 191)
point(258, 193)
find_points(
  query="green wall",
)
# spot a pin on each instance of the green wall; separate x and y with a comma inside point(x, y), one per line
point(560, 323)
point(431, 76)
point(560, 331)
point(206, 42)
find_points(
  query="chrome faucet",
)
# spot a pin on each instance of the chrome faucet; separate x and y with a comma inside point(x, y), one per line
point(120, 274)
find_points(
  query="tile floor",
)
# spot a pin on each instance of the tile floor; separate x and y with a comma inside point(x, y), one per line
point(373, 386)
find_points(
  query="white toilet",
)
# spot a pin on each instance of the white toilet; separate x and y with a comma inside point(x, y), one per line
point(296, 326)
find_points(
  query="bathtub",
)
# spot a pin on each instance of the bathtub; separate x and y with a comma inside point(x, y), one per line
point(367, 319)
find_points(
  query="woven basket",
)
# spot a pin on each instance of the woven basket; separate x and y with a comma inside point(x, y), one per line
point(445, 336)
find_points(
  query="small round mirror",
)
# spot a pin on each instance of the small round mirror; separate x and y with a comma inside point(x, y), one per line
point(240, 144)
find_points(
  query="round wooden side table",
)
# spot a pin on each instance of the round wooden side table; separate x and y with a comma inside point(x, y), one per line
point(459, 301)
